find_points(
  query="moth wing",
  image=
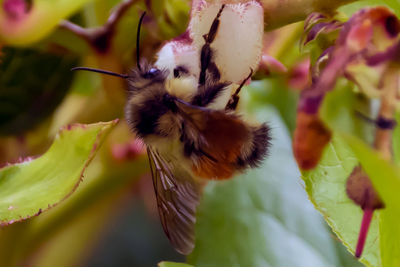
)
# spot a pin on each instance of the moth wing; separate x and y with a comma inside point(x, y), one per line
point(177, 194)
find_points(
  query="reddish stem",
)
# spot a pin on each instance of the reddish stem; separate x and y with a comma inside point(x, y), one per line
point(363, 231)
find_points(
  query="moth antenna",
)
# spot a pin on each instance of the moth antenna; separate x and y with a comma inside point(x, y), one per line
point(123, 76)
point(138, 41)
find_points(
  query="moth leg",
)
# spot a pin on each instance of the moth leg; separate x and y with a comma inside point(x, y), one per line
point(233, 102)
point(206, 51)
point(208, 93)
point(212, 72)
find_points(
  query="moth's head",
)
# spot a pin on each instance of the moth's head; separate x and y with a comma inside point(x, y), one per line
point(144, 76)
point(146, 103)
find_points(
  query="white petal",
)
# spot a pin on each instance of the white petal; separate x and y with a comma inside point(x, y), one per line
point(238, 42)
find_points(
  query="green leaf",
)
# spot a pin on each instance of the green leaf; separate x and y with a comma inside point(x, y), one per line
point(389, 237)
point(123, 40)
point(386, 180)
point(354, 7)
point(172, 16)
point(357, 5)
point(263, 217)
point(99, 11)
point(178, 12)
point(393, 4)
point(326, 187)
point(344, 116)
point(33, 186)
point(173, 264)
point(38, 22)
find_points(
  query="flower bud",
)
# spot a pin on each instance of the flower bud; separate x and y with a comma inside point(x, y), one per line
point(310, 138)
point(360, 189)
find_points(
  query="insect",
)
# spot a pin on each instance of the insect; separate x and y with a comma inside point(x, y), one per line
point(192, 132)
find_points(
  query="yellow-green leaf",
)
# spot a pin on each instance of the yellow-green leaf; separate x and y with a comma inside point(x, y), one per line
point(326, 187)
point(33, 186)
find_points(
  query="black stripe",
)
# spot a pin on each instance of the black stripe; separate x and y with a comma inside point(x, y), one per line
point(261, 144)
point(206, 95)
point(147, 117)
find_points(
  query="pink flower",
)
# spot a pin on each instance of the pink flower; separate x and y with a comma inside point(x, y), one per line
point(15, 9)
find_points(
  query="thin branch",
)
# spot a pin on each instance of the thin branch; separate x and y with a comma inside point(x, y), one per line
point(100, 37)
point(118, 14)
point(76, 29)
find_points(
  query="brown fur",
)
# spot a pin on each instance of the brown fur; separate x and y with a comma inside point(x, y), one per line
point(224, 140)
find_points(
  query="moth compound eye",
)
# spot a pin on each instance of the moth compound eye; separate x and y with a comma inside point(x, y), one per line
point(154, 71)
point(151, 73)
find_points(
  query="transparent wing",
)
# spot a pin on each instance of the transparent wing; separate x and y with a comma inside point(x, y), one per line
point(177, 195)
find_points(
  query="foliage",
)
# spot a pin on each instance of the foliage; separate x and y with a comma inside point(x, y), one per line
point(268, 216)
point(59, 171)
